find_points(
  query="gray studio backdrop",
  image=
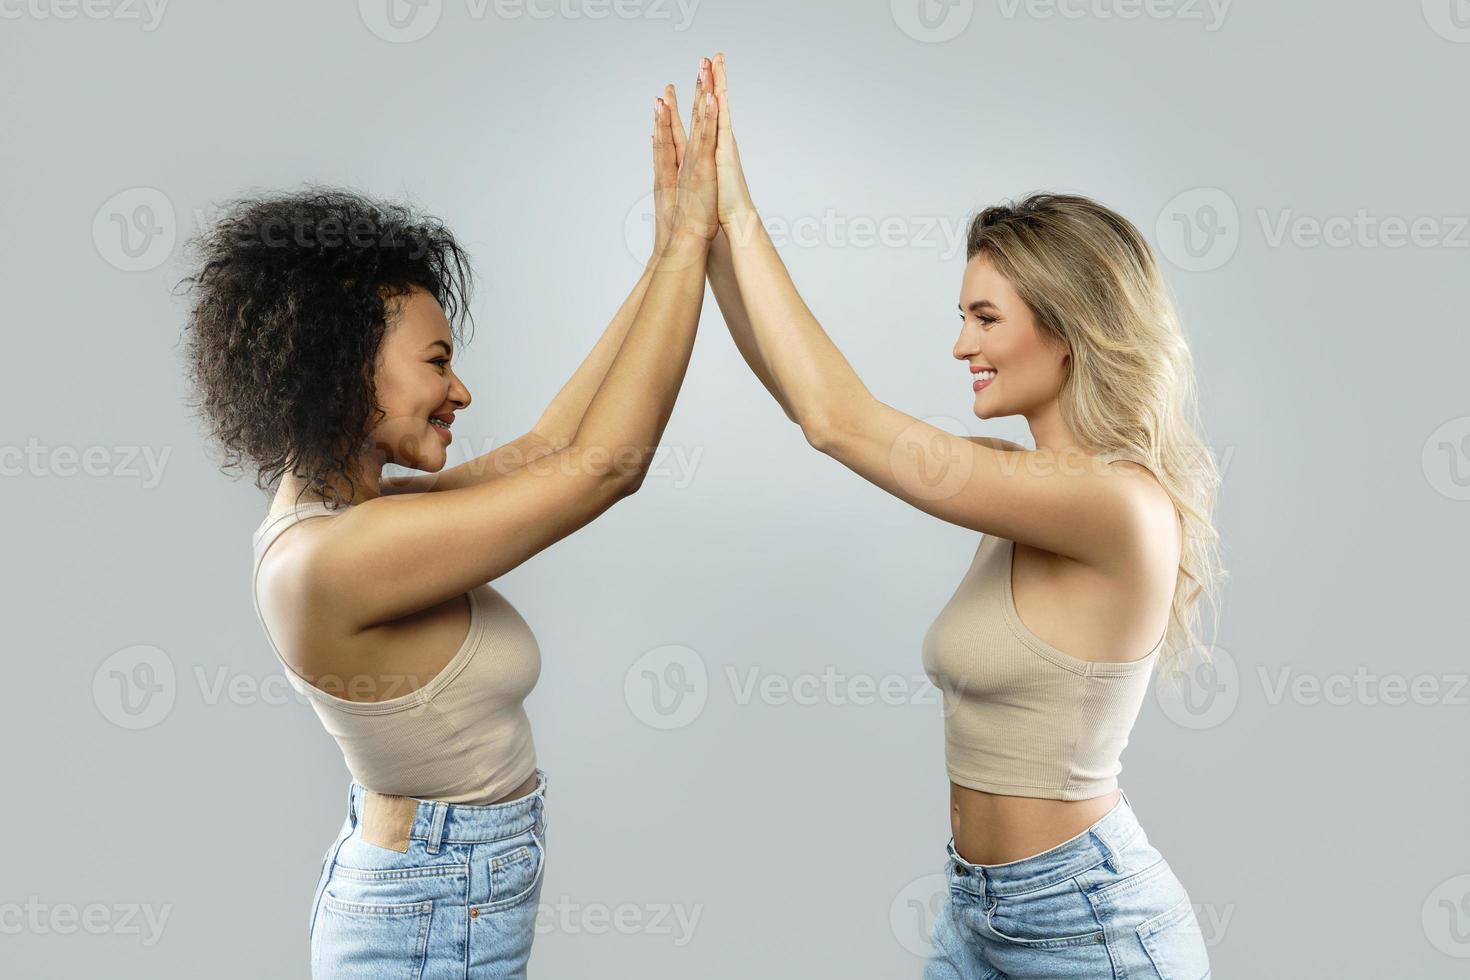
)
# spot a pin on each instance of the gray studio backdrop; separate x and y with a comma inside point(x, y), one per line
point(746, 769)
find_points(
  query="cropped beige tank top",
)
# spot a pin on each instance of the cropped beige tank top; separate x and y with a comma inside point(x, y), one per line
point(1022, 718)
point(461, 738)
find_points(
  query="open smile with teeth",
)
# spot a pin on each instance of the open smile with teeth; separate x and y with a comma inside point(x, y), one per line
point(439, 422)
point(982, 379)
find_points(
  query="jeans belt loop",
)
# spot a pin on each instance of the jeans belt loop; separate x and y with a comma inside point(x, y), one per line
point(436, 826)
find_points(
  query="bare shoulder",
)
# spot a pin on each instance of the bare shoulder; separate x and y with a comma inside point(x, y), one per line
point(292, 561)
point(1155, 516)
point(1140, 484)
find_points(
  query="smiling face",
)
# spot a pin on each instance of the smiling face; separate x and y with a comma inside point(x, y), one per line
point(415, 384)
point(1016, 368)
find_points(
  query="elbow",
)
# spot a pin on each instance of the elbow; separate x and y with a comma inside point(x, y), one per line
point(628, 473)
point(611, 488)
point(829, 418)
point(628, 485)
point(608, 475)
point(818, 430)
point(835, 422)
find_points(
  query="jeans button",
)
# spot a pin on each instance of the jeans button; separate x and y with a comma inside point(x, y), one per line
point(961, 870)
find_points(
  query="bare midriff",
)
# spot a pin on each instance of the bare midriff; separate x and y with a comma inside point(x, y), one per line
point(992, 829)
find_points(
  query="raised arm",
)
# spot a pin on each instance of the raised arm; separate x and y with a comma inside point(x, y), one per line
point(1063, 502)
point(394, 555)
point(725, 287)
point(558, 424)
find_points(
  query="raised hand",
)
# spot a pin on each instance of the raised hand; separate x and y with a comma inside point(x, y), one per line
point(667, 148)
point(735, 205)
point(696, 198)
point(677, 123)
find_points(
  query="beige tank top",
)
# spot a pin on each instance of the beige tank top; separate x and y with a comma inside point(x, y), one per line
point(1022, 718)
point(464, 736)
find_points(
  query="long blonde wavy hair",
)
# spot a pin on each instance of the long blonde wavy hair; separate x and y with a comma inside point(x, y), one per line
point(1094, 285)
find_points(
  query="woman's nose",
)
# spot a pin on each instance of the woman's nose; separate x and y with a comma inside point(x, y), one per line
point(964, 345)
point(459, 393)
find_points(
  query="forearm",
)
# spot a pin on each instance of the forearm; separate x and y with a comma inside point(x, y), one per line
point(497, 462)
point(632, 406)
point(732, 307)
point(818, 383)
point(559, 422)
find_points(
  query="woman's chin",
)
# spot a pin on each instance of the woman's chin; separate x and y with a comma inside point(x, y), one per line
point(425, 463)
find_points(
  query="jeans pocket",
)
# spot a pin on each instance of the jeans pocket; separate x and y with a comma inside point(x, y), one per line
point(1049, 918)
point(370, 940)
point(1174, 943)
point(1130, 884)
point(515, 873)
point(373, 923)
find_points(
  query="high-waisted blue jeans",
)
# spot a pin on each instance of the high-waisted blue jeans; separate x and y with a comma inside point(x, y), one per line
point(1102, 906)
point(460, 903)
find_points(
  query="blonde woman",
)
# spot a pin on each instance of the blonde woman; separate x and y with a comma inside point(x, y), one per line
point(1096, 546)
point(321, 348)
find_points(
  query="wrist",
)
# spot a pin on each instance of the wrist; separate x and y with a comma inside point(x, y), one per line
point(686, 248)
point(740, 223)
point(686, 238)
point(663, 230)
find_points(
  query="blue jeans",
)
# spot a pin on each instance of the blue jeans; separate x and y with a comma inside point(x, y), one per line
point(1104, 905)
point(460, 903)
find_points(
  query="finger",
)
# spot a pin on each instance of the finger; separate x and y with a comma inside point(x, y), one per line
point(672, 98)
point(719, 74)
point(721, 82)
point(664, 167)
point(697, 133)
point(723, 135)
point(712, 122)
point(707, 102)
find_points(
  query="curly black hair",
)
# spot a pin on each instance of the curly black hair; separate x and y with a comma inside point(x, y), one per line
point(292, 296)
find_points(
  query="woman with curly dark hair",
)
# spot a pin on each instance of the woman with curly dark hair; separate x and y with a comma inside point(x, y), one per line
point(320, 345)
